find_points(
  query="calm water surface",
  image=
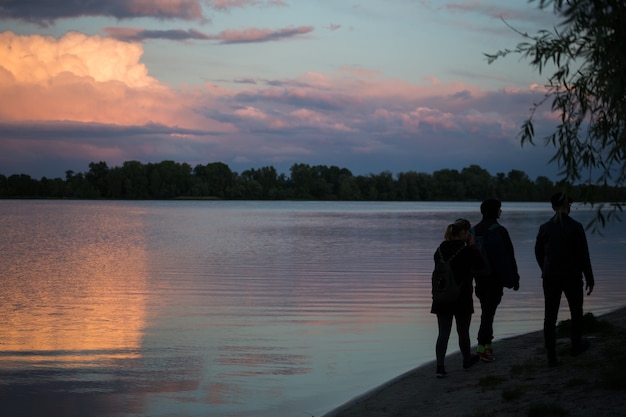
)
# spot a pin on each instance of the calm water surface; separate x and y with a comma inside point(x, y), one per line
point(240, 309)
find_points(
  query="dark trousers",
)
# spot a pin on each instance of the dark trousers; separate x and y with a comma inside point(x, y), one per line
point(552, 290)
point(444, 321)
point(490, 298)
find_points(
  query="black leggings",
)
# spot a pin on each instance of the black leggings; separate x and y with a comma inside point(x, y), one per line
point(444, 322)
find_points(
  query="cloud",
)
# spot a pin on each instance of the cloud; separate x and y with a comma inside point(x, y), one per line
point(37, 59)
point(484, 9)
point(79, 99)
point(72, 145)
point(250, 35)
point(86, 79)
point(231, 4)
point(360, 71)
point(127, 34)
point(262, 35)
point(46, 12)
point(500, 12)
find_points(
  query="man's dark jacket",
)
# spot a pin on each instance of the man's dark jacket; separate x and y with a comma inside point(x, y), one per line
point(561, 249)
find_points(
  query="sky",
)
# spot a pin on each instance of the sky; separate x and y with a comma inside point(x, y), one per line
point(367, 85)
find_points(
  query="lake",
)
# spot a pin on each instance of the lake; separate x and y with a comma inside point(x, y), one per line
point(239, 309)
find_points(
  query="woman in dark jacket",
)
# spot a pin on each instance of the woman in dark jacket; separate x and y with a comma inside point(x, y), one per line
point(459, 241)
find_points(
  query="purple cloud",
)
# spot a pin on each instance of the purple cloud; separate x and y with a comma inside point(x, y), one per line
point(126, 34)
point(46, 12)
point(250, 35)
point(232, 4)
point(262, 35)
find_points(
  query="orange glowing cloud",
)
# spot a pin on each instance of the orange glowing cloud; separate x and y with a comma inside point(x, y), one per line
point(88, 79)
point(36, 59)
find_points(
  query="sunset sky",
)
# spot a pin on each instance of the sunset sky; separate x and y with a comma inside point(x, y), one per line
point(368, 85)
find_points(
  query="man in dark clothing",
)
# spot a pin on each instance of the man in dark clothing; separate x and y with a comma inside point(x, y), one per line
point(563, 256)
point(503, 268)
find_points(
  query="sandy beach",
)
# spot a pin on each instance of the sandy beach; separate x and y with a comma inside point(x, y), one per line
point(518, 383)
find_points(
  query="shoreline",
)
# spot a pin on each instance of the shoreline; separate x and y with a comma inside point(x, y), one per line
point(518, 379)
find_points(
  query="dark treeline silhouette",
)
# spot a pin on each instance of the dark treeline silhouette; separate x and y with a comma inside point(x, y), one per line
point(169, 180)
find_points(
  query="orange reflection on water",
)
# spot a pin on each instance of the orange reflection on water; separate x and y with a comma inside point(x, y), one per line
point(76, 297)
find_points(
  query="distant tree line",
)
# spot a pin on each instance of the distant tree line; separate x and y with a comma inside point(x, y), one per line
point(170, 180)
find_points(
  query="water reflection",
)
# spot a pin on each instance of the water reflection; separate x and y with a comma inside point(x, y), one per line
point(235, 309)
point(74, 311)
point(73, 289)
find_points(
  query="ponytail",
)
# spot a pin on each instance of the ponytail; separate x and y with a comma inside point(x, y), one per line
point(454, 229)
point(449, 233)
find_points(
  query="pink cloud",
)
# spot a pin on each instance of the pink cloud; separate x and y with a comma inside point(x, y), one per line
point(434, 118)
point(87, 79)
point(261, 35)
point(249, 35)
point(93, 94)
point(101, 80)
point(491, 10)
point(360, 72)
point(231, 4)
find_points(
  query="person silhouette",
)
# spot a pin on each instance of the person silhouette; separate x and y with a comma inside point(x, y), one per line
point(562, 253)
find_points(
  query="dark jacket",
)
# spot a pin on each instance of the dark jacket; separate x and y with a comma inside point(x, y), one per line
point(464, 265)
point(508, 264)
point(561, 250)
